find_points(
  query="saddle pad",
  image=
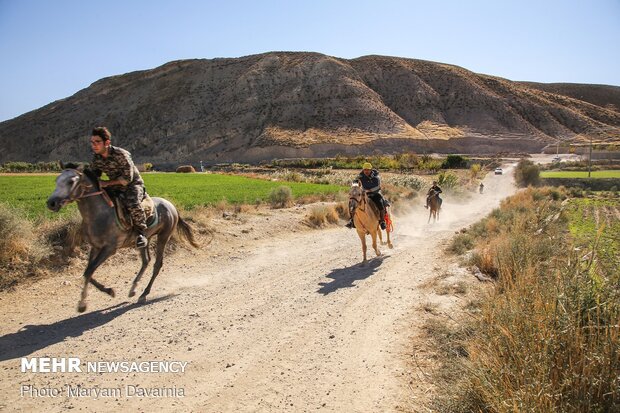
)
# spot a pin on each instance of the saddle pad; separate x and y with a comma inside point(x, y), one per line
point(124, 219)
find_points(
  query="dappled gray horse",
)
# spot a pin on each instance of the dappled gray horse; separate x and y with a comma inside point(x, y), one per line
point(100, 228)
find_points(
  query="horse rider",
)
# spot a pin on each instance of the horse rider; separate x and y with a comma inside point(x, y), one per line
point(435, 190)
point(123, 178)
point(371, 182)
point(481, 187)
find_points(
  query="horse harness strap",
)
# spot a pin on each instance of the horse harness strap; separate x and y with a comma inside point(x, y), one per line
point(79, 184)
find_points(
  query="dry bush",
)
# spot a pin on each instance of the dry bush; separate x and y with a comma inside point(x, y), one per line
point(281, 197)
point(64, 234)
point(321, 215)
point(20, 248)
point(342, 209)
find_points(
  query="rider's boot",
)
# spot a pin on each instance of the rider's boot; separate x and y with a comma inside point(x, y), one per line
point(382, 219)
point(141, 240)
point(350, 224)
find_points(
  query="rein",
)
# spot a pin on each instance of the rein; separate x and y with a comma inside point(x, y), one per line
point(363, 202)
point(83, 194)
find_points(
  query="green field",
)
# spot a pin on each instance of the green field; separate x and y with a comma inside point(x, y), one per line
point(29, 193)
point(613, 173)
point(596, 221)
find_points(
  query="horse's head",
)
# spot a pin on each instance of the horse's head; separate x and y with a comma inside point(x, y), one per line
point(70, 185)
point(356, 193)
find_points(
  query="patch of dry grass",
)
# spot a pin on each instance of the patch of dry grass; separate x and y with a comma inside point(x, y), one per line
point(546, 338)
point(321, 215)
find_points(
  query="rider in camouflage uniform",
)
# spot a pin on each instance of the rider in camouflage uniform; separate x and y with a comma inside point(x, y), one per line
point(124, 178)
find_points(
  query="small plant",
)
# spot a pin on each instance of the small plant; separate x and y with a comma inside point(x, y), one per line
point(281, 197)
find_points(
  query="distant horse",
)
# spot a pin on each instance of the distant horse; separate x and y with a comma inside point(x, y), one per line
point(366, 219)
point(435, 205)
point(105, 236)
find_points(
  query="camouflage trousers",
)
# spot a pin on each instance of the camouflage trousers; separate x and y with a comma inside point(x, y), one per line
point(134, 194)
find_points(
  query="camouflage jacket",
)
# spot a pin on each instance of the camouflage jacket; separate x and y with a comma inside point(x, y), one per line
point(118, 165)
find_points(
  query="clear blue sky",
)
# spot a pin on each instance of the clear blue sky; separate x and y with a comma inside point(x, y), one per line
point(50, 49)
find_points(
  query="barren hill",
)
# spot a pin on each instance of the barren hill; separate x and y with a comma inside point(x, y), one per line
point(284, 104)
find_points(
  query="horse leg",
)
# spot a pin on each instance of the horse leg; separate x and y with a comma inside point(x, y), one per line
point(146, 258)
point(95, 259)
point(381, 236)
point(362, 236)
point(374, 242)
point(389, 241)
point(162, 240)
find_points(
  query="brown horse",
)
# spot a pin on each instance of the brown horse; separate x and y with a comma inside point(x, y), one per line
point(366, 219)
point(435, 206)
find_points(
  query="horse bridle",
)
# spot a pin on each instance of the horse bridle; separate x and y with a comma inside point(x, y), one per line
point(79, 184)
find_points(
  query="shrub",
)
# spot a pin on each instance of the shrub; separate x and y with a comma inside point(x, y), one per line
point(447, 180)
point(474, 171)
point(461, 244)
point(321, 215)
point(281, 197)
point(526, 173)
point(454, 162)
point(20, 249)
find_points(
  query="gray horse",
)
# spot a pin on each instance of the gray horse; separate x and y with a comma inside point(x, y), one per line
point(99, 226)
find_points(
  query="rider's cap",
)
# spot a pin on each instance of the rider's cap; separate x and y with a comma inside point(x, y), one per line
point(367, 165)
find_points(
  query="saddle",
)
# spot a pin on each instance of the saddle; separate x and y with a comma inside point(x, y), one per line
point(123, 218)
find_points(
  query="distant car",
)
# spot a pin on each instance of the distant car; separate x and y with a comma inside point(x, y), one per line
point(499, 171)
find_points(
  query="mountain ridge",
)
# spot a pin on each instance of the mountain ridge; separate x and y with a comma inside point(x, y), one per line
point(306, 104)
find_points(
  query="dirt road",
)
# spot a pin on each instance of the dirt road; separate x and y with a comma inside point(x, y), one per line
point(271, 317)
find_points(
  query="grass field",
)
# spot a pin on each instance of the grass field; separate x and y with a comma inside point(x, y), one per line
point(29, 193)
point(614, 173)
point(595, 222)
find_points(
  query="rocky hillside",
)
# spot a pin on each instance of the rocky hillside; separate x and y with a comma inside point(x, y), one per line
point(282, 104)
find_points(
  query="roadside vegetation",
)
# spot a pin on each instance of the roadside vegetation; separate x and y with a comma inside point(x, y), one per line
point(546, 335)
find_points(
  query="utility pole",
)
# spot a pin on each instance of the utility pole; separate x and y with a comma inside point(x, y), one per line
point(590, 158)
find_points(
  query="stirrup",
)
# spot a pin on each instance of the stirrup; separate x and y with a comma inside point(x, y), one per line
point(350, 224)
point(382, 224)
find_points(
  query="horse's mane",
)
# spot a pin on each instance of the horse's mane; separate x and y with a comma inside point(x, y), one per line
point(93, 177)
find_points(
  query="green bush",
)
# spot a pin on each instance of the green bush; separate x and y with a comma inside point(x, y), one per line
point(447, 180)
point(454, 162)
point(527, 173)
point(281, 197)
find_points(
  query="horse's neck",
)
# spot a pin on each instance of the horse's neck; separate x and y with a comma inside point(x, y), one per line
point(94, 208)
point(367, 210)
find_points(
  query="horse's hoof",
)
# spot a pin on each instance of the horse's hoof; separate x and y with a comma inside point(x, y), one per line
point(390, 246)
point(110, 292)
point(81, 308)
point(132, 293)
point(142, 299)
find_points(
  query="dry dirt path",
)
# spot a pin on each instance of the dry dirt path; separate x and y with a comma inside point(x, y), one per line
point(284, 323)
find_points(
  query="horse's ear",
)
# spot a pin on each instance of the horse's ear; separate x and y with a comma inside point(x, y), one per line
point(71, 165)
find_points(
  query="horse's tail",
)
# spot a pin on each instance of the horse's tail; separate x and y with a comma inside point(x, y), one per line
point(185, 231)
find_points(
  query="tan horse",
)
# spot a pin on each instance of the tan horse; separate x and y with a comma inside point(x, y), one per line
point(434, 206)
point(366, 219)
